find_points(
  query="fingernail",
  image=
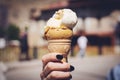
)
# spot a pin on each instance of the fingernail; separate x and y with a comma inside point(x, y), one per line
point(71, 68)
point(59, 57)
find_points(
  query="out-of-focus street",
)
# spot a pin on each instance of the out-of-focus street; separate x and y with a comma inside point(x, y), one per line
point(24, 25)
point(88, 68)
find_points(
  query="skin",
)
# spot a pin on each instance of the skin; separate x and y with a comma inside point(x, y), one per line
point(54, 69)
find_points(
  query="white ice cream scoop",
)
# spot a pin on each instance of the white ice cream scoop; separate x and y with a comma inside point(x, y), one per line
point(69, 18)
point(65, 17)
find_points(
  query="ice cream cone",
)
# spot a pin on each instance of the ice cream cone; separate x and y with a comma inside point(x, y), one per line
point(61, 46)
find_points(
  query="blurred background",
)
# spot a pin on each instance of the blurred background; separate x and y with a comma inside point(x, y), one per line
point(22, 42)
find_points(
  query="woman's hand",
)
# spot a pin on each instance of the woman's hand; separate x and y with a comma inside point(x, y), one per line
point(54, 68)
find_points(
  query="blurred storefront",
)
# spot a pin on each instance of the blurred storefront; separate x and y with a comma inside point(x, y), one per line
point(97, 18)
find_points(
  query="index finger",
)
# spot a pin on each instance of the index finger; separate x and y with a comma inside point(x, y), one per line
point(51, 57)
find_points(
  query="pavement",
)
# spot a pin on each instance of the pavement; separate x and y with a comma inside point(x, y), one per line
point(88, 68)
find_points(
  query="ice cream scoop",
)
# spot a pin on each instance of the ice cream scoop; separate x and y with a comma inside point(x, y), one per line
point(60, 25)
point(63, 17)
point(58, 31)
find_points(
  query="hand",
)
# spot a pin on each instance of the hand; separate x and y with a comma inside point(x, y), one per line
point(54, 68)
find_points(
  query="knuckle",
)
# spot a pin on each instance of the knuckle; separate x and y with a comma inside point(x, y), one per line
point(53, 75)
point(43, 59)
point(41, 75)
point(49, 66)
point(69, 75)
point(67, 66)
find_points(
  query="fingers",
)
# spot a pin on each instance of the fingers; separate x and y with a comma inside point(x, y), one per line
point(52, 66)
point(59, 75)
point(52, 57)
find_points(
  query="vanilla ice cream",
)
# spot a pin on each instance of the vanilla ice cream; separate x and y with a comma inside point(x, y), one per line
point(60, 25)
point(65, 17)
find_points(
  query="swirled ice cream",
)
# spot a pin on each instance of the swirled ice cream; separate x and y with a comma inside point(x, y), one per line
point(60, 25)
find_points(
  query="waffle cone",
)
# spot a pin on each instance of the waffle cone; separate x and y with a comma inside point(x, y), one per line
point(61, 46)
